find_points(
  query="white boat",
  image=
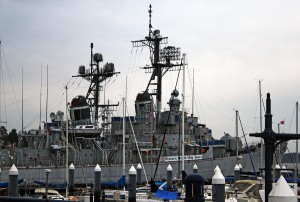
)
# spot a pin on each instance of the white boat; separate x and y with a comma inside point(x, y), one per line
point(245, 190)
point(52, 194)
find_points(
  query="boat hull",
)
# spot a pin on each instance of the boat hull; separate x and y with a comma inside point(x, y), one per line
point(85, 174)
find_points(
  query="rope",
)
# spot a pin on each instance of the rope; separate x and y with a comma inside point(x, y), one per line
point(10, 83)
point(138, 149)
point(247, 146)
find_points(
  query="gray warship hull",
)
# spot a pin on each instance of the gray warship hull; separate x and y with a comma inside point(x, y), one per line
point(84, 174)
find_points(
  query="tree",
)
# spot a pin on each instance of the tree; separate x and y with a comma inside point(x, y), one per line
point(3, 130)
point(13, 137)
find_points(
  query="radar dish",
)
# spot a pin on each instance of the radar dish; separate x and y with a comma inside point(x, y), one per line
point(175, 93)
point(52, 115)
point(98, 57)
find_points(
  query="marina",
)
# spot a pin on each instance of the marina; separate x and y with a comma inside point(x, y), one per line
point(152, 137)
point(160, 151)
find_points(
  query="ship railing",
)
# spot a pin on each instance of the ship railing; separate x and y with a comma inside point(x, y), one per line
point(104, 154)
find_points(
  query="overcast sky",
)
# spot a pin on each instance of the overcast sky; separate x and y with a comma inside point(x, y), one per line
point(231, 45)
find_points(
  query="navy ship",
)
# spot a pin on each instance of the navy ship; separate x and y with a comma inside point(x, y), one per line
point(154, 138)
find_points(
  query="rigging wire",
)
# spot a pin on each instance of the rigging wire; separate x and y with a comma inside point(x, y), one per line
point(134, 75)
point(291, 121)
point(196, 103)
point(4, 99)
point(11, 83)
point(244, 135)
point(254, 107)
point(137, 147)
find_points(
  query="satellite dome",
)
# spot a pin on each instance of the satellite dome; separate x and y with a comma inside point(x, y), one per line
point(98, 57)
point(175, 93)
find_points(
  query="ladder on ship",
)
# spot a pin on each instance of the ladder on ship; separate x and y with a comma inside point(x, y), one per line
point(104, 154)
point(75, 152)
point(111, 154)
point(58, 158)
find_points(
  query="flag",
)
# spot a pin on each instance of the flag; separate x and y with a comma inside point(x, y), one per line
point(281, 122)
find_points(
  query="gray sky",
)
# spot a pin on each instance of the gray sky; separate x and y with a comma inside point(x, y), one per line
point(230, 44)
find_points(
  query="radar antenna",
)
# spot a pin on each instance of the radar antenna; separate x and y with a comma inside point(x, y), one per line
point(96, 75)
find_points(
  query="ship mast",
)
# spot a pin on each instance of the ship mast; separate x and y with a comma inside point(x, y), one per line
point(161, 61)
point(96, 75)
point(297, 149)
point(260, 118)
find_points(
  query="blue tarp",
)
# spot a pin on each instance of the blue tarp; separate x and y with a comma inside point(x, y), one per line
point(161, 183)
point(119, 183)
point(5, 184)
point(52, 185)
point(167, 194)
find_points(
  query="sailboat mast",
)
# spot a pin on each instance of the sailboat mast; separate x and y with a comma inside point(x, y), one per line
point(260, 118)
point(123, 99)
point(183, 111)
point(237, 135)
point(279, 154)
point(193, 94)
point(40, 121)
point(47, 101)
point(0, 79)
point(67, 142)
point(47, 140)
point(297, 149)
point(22, 104)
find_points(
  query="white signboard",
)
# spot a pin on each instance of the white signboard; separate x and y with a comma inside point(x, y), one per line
point(186, 158)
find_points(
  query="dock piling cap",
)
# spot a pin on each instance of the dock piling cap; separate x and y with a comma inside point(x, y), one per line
point(277, 166)
point(195, 167)
point(283, 169)
point(217, 168)
point(132, 171)
point(236, 167)
point(97, 168)
point(282, 189)
point(218, 178)
point(169, 168)
point(71, 167)
point(139, 166)
point(13, 170)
